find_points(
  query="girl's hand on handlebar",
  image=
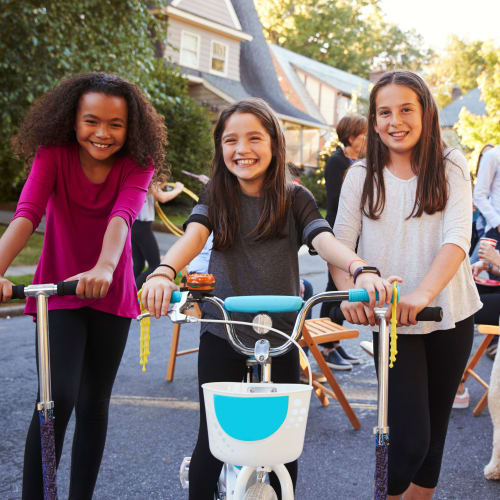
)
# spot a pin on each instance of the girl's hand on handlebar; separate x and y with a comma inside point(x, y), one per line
point(5, 289)
point(156, 293)
point(372, 284)
point(357, 313)
point(93, 284)
point(409, 306)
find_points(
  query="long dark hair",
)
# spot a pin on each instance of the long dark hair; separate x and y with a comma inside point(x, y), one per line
point(51, 119)
point(427, 159)
point(224, 189)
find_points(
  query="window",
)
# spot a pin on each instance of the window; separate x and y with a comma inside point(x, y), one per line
point(189, 49)
point(218, 61)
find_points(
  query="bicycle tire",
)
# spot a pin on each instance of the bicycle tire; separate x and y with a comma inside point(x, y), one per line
point(260, 491)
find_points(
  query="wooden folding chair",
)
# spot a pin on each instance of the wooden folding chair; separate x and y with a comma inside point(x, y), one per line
point(318, 331)
point(490, 331)
point(174, 345)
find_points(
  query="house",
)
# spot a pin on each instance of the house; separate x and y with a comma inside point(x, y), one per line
point(322, 91)
point(449, 114)
point(221, 49)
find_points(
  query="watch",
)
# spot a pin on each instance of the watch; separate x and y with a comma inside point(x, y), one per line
point(364, 269)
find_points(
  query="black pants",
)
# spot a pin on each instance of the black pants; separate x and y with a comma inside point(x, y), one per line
point(328, 309)
point(422, 386)
point(86, 348)
point(218, 362)
point(144, 249)
point(490, 312)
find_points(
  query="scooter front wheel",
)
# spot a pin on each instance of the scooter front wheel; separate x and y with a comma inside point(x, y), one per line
point(260, 491)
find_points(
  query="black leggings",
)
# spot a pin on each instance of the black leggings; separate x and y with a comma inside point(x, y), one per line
point(422, 386)
point(489, 313)
point(218, 362)
point(86, 348)
point(144, 249)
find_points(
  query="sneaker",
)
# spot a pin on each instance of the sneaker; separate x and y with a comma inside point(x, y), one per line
point(491, 351)
point(462, 400)
point(367, 346)
point(335, 361)
point(347, 357)
point(319, 377)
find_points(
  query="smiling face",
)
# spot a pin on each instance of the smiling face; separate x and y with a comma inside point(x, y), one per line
point(101, 127)
point(398, 118)
point(247, 151)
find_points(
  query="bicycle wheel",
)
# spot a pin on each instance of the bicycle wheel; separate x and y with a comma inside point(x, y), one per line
point(260, 491)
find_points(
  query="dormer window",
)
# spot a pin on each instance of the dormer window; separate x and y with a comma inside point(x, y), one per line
point(190, 47)
point(218, 58)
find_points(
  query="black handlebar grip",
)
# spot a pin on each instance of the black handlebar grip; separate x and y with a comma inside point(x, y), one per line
point(430, 314)
point(426, 314)
point(18, 292)
point(67, 287)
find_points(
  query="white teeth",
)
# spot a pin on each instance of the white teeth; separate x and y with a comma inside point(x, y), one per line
point(245, 162)
point(101, 146)
point(398, 134)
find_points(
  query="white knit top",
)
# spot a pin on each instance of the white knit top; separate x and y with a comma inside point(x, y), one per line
point(407, 247)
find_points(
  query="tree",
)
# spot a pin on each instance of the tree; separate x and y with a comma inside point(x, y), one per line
point(475, 131)
point(348, 34)
point(459, 66)
point(42, 41)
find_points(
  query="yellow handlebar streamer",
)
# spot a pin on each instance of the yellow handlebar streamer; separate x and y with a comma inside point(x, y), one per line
point(145, 325)
point(394, 321)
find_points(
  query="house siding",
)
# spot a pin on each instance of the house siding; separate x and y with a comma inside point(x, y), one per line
point(172, 52)
point(215, 10)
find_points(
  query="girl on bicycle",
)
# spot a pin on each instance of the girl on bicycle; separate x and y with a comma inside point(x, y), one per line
point(259, 221)
point(95, 140)
point(410, 204)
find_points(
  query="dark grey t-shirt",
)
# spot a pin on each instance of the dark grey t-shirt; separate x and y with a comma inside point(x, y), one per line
point(267, 267)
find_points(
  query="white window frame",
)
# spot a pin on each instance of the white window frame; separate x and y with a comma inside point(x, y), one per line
point(226, 62)
point(183, 63)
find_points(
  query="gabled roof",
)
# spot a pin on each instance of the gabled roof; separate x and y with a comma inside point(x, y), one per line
point(229, 19)
point(257, 72)
point(341, 80)
point(471, 101)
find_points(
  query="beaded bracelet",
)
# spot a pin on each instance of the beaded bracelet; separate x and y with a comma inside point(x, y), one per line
point(159, 275)
point(170, 267)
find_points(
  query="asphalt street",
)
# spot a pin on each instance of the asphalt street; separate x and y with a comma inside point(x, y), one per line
point(153, 423)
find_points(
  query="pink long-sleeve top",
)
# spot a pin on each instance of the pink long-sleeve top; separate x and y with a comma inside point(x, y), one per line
point(77, 214)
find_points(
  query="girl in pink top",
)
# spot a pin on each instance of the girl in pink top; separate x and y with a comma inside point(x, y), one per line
point(95, 140)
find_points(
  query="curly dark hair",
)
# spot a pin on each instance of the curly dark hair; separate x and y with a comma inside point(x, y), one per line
point(51, 119)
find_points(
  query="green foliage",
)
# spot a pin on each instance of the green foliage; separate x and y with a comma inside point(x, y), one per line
point(476, 131)
point(43, 41)
point(315, 182)
point(348, 34)
point(189, 138)
point(460, 65)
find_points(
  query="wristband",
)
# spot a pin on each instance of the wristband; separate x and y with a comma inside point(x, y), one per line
point(349, 264)
point(364, 269)
point(170, 267)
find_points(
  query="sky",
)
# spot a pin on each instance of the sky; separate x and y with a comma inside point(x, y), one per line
point(435, 20)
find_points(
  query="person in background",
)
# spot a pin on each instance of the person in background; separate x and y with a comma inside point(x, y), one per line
point(478, 220)
point(144, 245)
point(351, 131)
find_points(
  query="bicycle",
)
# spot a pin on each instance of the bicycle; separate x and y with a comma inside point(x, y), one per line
point(236, 434)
